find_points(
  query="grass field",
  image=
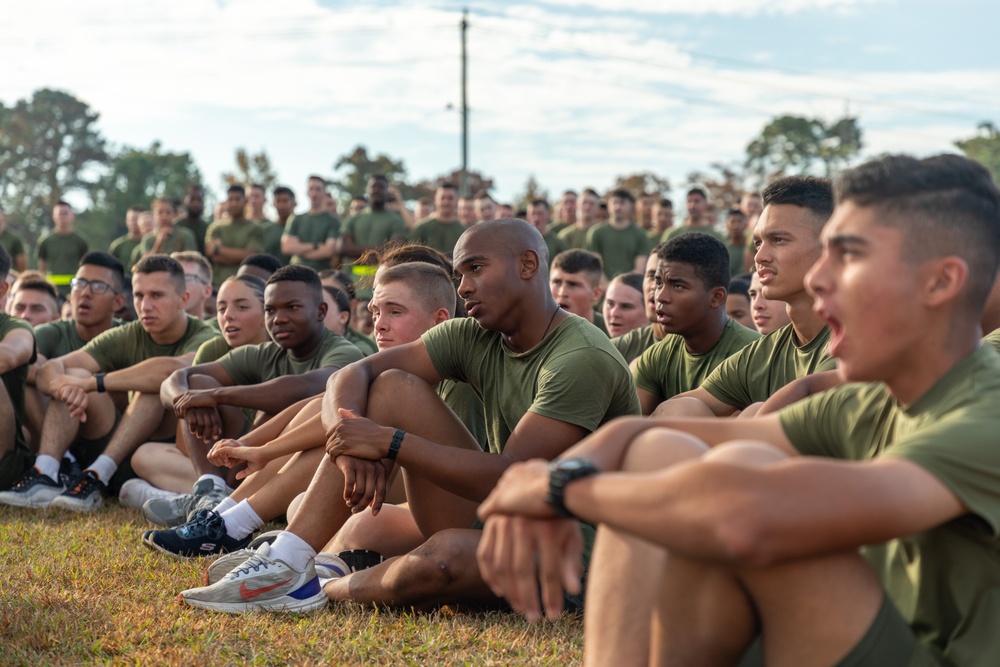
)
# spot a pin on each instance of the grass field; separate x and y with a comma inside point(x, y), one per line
point(82, 590)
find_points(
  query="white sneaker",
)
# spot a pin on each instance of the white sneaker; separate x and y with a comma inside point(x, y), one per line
point(135, 492)
point(261, 584)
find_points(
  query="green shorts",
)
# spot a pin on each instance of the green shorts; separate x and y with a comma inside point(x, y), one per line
point(889, 642)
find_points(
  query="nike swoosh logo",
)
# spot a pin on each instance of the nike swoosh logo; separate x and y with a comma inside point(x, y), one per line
point(250, 594)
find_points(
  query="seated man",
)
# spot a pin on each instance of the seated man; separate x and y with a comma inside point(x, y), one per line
point(136, 358)
point(267, 378)
point(576, 284)
point(198, 274)
point(787, 238)
point(691, 279)
point(34, 301)
point(899, 569)
point(637, 341)
point(623, 305)
point(528, 361)
point(17, 352)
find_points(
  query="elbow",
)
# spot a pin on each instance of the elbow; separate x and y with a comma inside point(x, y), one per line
point(743, 539)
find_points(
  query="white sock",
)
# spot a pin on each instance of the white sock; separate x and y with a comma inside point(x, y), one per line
point(226, 503)
point(104, 467)
point(69, 455)
point(292, 549)
point(241, 520)
point(48, 466)
point(217, 482)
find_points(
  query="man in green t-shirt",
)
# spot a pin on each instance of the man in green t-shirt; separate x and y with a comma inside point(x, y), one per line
point(637, 341)
point(575, 281)
point(13, 244)
point(857, 527)
point(166, 237)
point(90, 386)
point(533, 367)
point(539, 215)
point(229, 242)
point(60, 251)
point(442, 230)
point(369, 229)
point(623, 307)
point(622, 245)
point(198, 275)
point(565, 213)
point(310, 238)
point(17, 352)
point(207, 399)
point(575, 235)
point(699, 218)
point(123, 246)
point(34, 300)
point(284, 204)
point(736, 239)
point(788, 242)
point(691, 279)
point(194, 217)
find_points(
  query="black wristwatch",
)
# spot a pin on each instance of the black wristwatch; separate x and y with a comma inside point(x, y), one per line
point(99, 380)
point(562, 473)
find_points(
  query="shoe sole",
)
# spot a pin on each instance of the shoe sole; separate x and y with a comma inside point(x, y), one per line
point(75, 506)
point(22, 502)
point(286, 604)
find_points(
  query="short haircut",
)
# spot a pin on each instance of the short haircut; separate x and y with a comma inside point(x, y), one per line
point(428, 282)
point(360, 198)
point(580, 261)
point(426, 201)
point(63, 202)
point(258, 186)
point(110, 262)
point(253, 282)
point(283, 190)
point(740, 284)
point(592, 192)
point(236, 187)
point(342, 300)
point(314, 177)
point(162, 200)
point(944, 205)
point(707, 255)
point(43, 286)
point(299, 273)
point(5, 263)
point(633, 280)
point(735, 212)
point(195, 257)
point(697, 191)
point(136, 208)
point(402, 253)
point(809, 192)
point(165, 263)
point(665, 203)
point(263, 261)
point(483, 194)
point(448, 185)
point(572, 193)
point(193, 188)
point(538, 201)
point(622, 193)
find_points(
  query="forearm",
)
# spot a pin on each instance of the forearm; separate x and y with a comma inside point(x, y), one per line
point(52, 369)
point(228, 256)
point(349, 249)
point(467, 473)
point(274, 395)
point(307, 435)
point(291, 245)
point(175, 385)
point(347, 389)
point(273, 427)
point(146, 377)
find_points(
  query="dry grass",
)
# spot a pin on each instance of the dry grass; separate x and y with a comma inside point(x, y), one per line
point(82, 590)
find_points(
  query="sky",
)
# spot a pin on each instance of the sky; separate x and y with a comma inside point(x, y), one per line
point(574, 92)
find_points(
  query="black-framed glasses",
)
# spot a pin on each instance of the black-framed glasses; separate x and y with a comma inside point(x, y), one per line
point(195, 277)
point(96, 286)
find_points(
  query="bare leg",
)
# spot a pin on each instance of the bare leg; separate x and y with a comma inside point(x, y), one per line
point(34, 412)
point(682, 407)
point(7, 432)
point(164, 466)
point(145, 419)
point(60, 430)
point(273, 497)
point(391, 532)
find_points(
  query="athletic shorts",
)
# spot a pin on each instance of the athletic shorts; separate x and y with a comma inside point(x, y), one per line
point(889, 642)
point(14, 464)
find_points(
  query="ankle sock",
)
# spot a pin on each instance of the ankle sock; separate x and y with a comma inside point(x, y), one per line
point(225, 504)
point(104, 467)
point(48, 466)
point(292, 549)
point(241, 520)
point(217, 482)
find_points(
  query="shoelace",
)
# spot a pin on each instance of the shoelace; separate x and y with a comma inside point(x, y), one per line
point(28, 480)
point(201, 526)
point(83, 484)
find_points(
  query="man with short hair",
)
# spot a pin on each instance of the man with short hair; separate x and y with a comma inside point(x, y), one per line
point(623, 307)
point(284, 204)
point(644, 210)
point(736, 240)
point(357, 206)
point(121, 248)
point(260, 264)
point(228, 242)
point(193, 220)
point(137, 358)
point(663, 219)
point(256, 199)
point(486, 208)
point(13, 244)
point(565, 214)
point(585, 217)
point(637, 341)
point(539, 216)
point(526, 358)
point(60, 251)
point(198, 275)
point(699, 217)
point(368, 230)
point(575, 281)
point(423, 208)
point(166, 237)
point(466, 211)
point(35, 302)
point(17, 352)
point(900, 570)
point(310, 237)
point(504, 211)
point(622, 245)
point(441, 230)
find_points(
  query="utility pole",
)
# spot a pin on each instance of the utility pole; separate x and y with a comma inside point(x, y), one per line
point(463, 187)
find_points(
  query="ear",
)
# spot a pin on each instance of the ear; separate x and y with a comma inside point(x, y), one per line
point(597, 293)
point(321, 312)
point(344, 316)
point(717, 297)
point(441, 315)
point(946, 278)
point(118, 302)
point(529, 264)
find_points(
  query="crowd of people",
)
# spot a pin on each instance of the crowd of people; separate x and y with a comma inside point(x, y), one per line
point(761, 436)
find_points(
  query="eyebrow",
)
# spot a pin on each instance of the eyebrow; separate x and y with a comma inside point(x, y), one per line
point(846, 239)
point(470, 260)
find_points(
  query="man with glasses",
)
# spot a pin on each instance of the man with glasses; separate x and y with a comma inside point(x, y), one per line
point(198, 275)
point(91, 413)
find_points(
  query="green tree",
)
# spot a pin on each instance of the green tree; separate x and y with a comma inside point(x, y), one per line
point(532, 190)
point(135, 176)
point(984, 147)
point(251, 168)
point(49, 147)
point(795, 143)
point(355, 168)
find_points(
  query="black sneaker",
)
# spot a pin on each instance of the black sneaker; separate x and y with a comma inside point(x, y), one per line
point(34, 489)
point(86, 495)
point(202, 536)
point(69, 471)
point(360, 559)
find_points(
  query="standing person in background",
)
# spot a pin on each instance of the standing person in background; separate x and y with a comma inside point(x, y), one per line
point(467, 211)
point(441, 230)
point(284, 204)
point(621, 244)
point(256, 199)
point(121, 248)
point(369, 229)
point(565, 212)
point(229, 242)
point(486, 208)
point(575, 235)
point(424, 208)
point(60, 251)
point(699, 218)
point(194, 220)
point(663, 219)
point(538, 215)
point(736, 240)
point(13, 244)
point(167, 238)
point(310, 237)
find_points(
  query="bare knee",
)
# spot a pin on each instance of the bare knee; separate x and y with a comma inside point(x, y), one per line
point(661, 447)
point(750, 453)
point(433, 566)
point(391, 388)
point(684, 406)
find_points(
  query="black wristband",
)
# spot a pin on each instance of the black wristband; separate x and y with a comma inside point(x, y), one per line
point(99, 379)
point(397, 442)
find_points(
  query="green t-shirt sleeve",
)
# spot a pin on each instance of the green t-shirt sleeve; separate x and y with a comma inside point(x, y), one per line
point(211, 350)
point(202, 334)
point(46, 340)
point(728, 382)
point(342, 353)
point(815, 424)
point(567, 391)
point(110, 348)
point(240, 362)
point(645, 373)
point(447, 345)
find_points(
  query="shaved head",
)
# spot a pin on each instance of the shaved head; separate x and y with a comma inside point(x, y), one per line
point(513, 234)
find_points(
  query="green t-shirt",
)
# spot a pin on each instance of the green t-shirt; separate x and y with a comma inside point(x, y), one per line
point(197, 227)
point(618, 248)
point(129, 344)
point(363, 343)
point(313, 228)
point(14, 380)
point(63, 254)
point(601, 324)
point(245, 234)
point(635, 342)
point(179, 240)
point(121, 249)
point(554, 245)
point(373, 228)
point(945, 581)
point(993, 338)
point(574, 236)
point(668, 368)
point(12, 243)
point(466, 405)
point(272, 240)
point(554, 379)
point(253, 364)
point(736, 256)
point(211, 350)
point(58, 338)
point(767, 365)
point(441, 236)
point(674, 232)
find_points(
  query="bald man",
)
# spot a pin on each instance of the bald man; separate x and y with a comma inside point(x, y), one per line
point(532, 365)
